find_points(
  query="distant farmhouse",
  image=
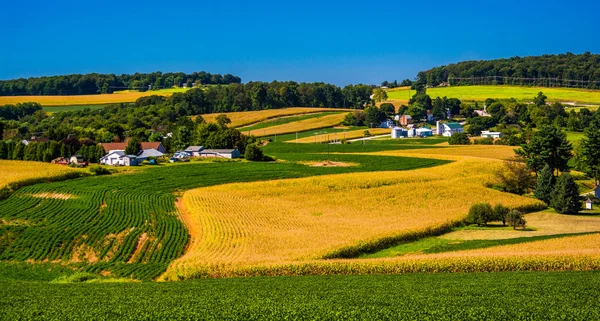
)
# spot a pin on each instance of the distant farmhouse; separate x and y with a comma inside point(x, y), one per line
point(405, 120)
point(199, 151)
point(118, 157)
point(489, 134)
point(447, 129)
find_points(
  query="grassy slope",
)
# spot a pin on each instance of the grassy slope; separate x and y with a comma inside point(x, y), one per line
point(481, 93)
point(482, 296)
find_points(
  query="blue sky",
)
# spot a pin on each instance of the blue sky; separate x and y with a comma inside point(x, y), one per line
point(338, 42)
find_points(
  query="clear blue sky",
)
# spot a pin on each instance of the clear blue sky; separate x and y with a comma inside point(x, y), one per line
point(338, 42)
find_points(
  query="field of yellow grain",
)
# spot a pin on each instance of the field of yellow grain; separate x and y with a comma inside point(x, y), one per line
point(243, 118)
point(301, 125)
point(300, 220)
point(19, 171)
point(351, 134)
point(498, 152)
point(120, 97)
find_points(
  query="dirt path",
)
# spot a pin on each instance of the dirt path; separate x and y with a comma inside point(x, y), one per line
point(189, 220)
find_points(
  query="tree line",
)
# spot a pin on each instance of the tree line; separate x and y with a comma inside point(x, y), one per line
point(96, 83)
point(152, 117)
point(567, 70)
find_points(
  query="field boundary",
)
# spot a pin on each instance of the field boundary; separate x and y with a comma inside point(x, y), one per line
point(9, 189)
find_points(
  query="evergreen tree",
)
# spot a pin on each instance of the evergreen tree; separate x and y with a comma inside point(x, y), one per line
point(545, 184)
point(565, 197)
point(18, 151)
point(548, 146)
point(590, 150)
point(3, 154)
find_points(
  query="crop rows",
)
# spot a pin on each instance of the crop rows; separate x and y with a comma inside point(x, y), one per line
point(324, 138)
point(462, 296)
point(275, 222)
point(99, 228)
point(244, 118)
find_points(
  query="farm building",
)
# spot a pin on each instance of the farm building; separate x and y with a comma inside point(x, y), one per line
point(387, 124)
point(487, 134)
point(182, 155)
point(399, 132)
point(194, 150)
point(118, 158)
point(405, 120)
point(221, 153)
point(150, 152)
point(597, 191)
point(447, 129)
point(482, 113)
point(34, 139)
point(424, 132)
point(589, 204)
point(77, 159)
point(430, 117)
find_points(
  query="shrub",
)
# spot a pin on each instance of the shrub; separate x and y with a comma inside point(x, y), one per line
point(255, 153)
point(484, 141)
point(565, 196)
point(480, 214)
point(545, 184)
point(500, 212)
point(459, 139)
point(99, 170)
point(367, 133)
point(515, 219)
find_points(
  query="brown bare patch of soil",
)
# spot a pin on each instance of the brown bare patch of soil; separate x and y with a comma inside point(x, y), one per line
point(140, 245)
point(105, 273)
point(329, 164)
point(60, 196)
point(190, 222)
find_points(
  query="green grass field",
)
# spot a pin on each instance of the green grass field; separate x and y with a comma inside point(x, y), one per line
point(56, 109)
point(480, 93)
point(474, 296)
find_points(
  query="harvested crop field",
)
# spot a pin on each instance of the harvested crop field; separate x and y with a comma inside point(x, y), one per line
point(244, 118)
point(114, 98)
point(300, 220)
point(21, 171)
point(351, 134)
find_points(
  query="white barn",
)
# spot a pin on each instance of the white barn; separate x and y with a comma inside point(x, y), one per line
point(194, 150)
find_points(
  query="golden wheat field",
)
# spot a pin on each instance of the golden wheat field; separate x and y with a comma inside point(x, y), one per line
point(498, 152)
point(301, 125)
point(299, 220)
point(123, 97)
point(17, 171)
point(351, 134)
point(243, 118)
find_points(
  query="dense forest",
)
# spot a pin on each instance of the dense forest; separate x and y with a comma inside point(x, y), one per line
point(564, 70)
point(107, 83)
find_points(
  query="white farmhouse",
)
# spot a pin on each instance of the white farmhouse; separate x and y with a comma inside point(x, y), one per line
point(447, 129)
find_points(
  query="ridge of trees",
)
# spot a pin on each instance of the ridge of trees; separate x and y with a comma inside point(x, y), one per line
point(578, 67)
point(95, 83)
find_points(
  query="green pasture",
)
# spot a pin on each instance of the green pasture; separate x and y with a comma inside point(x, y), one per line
point(481, 93)
point(56, 109)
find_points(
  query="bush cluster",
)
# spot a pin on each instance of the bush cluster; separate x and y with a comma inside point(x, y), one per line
point(482, 213)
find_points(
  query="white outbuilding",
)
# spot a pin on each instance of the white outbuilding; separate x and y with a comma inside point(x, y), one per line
point(489, 134)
